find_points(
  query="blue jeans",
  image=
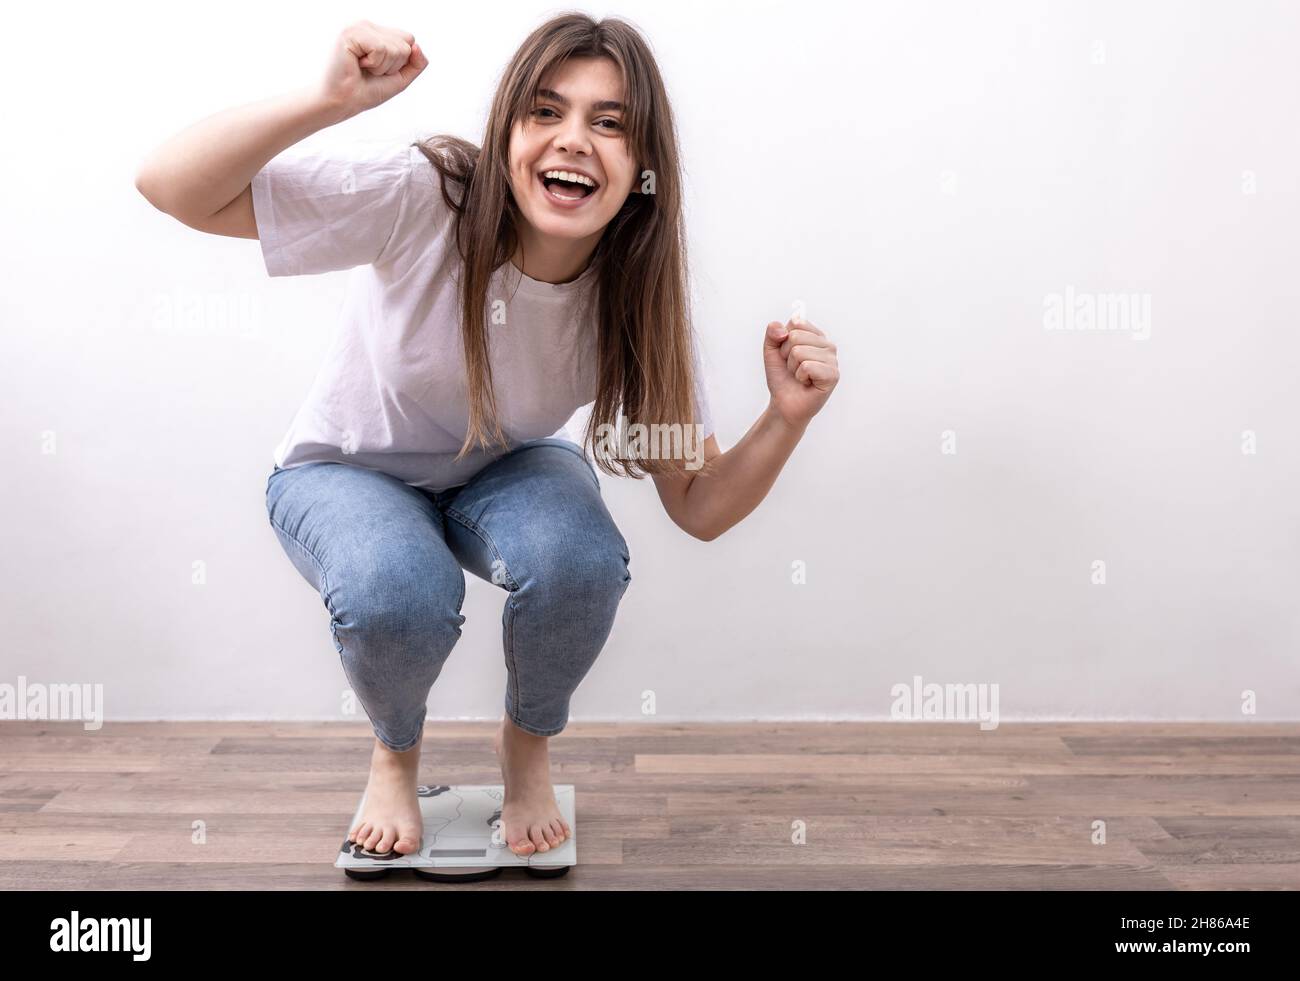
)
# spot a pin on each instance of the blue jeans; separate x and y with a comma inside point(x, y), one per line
point(387, 561)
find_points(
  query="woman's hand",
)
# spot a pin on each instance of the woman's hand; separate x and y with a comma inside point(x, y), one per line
point(369, 66)
point(802, 369)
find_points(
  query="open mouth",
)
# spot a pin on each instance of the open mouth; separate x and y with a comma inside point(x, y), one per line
point(565, 192)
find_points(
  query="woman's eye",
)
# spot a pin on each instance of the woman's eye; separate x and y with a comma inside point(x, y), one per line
point(613, 123)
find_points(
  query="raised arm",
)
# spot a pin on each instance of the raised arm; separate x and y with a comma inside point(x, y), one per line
point(202, 175)
point(802, 368)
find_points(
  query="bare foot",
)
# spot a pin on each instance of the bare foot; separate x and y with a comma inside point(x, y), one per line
point(390, 820)
point(530, 817)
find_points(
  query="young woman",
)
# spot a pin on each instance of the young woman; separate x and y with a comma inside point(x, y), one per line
point(497, 288)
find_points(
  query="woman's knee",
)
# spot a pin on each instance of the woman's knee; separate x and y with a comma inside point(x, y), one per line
point(397, 612)
point(584, 572)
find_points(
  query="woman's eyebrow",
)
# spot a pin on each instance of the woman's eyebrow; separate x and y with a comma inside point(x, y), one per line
point(601, 106)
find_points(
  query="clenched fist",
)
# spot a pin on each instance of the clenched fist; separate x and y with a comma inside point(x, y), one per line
point(802, 366)
point(370, 64)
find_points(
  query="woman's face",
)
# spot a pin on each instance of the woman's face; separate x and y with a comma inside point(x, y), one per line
point(575, 125)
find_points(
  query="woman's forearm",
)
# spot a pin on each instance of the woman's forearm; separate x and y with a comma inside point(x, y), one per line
point(742, 475)
point(200, 170)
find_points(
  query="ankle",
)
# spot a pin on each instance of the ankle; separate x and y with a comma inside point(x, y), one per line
point(384, 758)
point(519, 737)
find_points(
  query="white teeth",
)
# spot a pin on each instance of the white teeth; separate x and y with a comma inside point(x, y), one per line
point(565, 175)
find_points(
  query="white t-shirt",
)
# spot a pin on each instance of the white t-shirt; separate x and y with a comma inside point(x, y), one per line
point(392, 393)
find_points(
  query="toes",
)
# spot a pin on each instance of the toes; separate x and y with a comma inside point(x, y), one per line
point(557, 828)
point(539, 839)
point(359, 835)
point(386, 841)
point(408, 843)
point(522, 847)
point(372, 839)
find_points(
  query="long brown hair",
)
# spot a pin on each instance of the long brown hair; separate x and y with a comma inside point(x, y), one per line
point(639, 290)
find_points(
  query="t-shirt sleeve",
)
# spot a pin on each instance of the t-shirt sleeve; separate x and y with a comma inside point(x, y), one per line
point(330, 209)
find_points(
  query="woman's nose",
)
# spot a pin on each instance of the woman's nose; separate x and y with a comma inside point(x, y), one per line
point(572, 138)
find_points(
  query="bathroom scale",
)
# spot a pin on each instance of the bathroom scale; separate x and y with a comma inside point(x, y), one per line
point(463, 839)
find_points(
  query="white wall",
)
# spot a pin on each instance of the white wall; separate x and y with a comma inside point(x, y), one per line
point(920, 176)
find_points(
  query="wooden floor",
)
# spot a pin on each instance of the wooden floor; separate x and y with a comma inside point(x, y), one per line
point(885, 805)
